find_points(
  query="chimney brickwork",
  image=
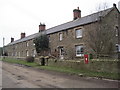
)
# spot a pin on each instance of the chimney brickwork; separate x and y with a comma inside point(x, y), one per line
point(12, 39)
point(22, 35)
point(42, 27)
point(76, 13)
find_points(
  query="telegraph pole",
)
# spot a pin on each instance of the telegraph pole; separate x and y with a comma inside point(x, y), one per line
point(3, 46)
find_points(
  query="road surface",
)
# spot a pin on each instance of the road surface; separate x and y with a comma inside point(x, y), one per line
point(17, 76)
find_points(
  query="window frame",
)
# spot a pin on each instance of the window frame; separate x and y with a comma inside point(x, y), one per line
point(80, 54)
point(116, 31)
point(33, 52)
point(27, 53)
point(80, 35)
point(27, 44)
point(60, 36)
point(117, 47)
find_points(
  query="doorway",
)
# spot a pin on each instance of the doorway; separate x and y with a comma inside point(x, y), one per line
point(61, 52)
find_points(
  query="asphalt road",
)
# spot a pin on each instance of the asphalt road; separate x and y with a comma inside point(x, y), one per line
point(17, 76)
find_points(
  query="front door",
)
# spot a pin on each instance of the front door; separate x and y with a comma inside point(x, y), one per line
point(61, 51)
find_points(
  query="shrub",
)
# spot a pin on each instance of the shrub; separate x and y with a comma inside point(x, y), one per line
point(91, 56)
point(30, 59)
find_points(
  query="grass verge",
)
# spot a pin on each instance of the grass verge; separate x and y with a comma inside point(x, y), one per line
point(115, 76)
point(86, 73)
point(23, 62)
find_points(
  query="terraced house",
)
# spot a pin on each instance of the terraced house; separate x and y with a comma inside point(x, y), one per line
point(70, 40)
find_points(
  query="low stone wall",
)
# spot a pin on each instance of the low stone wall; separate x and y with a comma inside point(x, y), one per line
point(19, 58)
point(99, 65)
point(111, 66)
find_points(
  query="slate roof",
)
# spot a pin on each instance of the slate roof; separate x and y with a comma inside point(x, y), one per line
point(81, 21)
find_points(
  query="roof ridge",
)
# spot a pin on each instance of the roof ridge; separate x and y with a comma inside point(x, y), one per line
point(100, 11)
point(80, 21)
point(59, 25)
point(81, 18)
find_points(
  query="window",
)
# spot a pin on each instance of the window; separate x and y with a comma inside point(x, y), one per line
point(34, 52)
point(60, 37)
point(79, 50)
point(116, 30)
point(19, 54)
point(27, 44)
point(16, 54)
point(27, 53)
point(78, 33)
point(117, 47)
point(49, 38)
point(66, 32)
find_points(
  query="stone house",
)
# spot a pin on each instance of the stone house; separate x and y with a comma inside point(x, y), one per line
point(68, 39)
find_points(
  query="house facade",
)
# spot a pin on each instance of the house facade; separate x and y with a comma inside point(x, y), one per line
point(69, 40)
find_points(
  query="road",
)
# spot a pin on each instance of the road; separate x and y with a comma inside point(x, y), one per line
point(0, 75)
point(17, 76)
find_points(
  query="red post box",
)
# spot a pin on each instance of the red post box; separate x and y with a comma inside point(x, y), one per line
point(86, 58)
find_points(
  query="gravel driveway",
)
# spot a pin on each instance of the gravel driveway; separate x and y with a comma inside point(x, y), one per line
point(18, 76)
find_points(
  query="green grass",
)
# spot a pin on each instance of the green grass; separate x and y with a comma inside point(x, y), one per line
point(11, 60)
point(84, 72)
point(66, 69)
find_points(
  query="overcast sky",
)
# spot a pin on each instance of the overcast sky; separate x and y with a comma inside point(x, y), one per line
point(18, 16)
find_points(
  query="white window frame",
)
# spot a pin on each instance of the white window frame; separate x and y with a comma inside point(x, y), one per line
point(118, 47)
point(27, 44)
point(27, 53)
point(33, 52)
point(60, 36)
point(78, 33)
point(79, 47)
point(116, 31)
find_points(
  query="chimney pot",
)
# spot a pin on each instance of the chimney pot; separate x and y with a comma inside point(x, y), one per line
point(76, 14)
point(114, 5)
point(12, 39)
point(42, 27)
point(22, 35)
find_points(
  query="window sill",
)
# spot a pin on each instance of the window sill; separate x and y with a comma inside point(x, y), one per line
point(81, 55)
point(78, 37)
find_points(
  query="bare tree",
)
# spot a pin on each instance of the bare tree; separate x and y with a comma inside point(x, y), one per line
point(101, 39)
point(101, 6)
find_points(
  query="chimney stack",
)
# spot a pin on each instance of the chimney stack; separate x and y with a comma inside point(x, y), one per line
point(76, 13)
point(12, 39)
point(114, 5)
point(42, 27)
point(22, 35)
